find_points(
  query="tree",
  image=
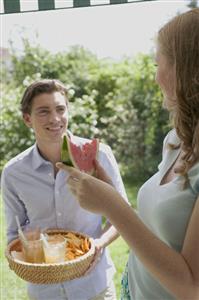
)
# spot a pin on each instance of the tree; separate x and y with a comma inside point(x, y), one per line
point(118, 102)
point(193, 4)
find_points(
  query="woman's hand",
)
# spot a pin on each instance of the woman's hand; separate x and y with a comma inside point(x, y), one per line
point(93, 194)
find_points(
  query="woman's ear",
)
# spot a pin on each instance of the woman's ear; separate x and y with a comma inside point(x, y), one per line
point(27, 120)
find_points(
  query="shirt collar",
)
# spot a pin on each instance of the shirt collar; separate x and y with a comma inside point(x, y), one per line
point(37, 159)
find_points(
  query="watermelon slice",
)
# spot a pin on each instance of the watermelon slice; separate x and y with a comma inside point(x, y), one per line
point(80, 156)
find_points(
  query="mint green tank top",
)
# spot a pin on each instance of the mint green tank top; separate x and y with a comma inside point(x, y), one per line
point(165, 210)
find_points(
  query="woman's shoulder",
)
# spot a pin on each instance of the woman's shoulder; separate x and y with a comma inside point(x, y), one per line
point(172, 138)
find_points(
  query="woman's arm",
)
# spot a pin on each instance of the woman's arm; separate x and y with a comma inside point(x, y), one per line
point(178, 272)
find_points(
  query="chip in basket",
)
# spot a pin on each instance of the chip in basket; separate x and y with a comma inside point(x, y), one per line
point(79, 254)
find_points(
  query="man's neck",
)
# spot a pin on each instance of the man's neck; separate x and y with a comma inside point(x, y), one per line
point(50, 152)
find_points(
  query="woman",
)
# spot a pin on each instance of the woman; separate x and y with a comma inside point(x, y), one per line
point(164, 235)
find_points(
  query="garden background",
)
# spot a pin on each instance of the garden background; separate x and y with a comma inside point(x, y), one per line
point(116, 101)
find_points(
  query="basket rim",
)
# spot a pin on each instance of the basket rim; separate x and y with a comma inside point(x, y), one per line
point(45, 265)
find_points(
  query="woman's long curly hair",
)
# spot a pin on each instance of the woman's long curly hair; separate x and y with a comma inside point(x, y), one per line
point(178, 40)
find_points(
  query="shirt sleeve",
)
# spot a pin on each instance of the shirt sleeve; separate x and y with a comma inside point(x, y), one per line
point(13, 206)
point(109, 163)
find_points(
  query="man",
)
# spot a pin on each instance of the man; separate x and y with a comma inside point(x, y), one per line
point(36, 191)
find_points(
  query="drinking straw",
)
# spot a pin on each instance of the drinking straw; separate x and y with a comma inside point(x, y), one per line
point(44, 239)
point(20, 231)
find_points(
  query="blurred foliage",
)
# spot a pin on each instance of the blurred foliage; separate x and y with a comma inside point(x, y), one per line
point(193, 4)
point(14, 137)
point(119, 102)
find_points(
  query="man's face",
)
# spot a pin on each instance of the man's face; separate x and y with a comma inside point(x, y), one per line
point(48, 117)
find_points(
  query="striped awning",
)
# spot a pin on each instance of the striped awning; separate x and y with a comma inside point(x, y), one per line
point(21, 6)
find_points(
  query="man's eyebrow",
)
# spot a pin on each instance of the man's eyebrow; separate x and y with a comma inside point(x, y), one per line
point(41, 107)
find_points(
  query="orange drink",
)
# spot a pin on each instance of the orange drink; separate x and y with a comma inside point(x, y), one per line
point(33, 252)
point(33, 247)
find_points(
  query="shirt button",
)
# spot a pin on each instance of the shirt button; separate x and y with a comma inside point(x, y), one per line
point(50, 174)
point(59, 214)
point(57, 192)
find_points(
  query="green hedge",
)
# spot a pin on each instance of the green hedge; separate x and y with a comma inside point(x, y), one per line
point(119, 102)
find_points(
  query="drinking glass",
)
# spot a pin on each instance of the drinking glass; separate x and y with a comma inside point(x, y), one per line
point(55, 249)
point(33, 247)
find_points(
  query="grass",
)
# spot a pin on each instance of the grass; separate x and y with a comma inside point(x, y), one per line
point(11, 286)
point(14, 288)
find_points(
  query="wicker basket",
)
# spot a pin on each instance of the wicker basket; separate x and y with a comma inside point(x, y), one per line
point(50, 273)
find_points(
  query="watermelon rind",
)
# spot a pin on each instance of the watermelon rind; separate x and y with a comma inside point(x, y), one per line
point(65, 157)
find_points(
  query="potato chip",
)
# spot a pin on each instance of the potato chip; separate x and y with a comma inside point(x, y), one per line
point(76, 246)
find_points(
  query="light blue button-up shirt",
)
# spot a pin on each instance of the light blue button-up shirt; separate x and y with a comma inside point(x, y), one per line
point(30, 191)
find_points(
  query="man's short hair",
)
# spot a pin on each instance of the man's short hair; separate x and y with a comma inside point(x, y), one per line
point(40, 87)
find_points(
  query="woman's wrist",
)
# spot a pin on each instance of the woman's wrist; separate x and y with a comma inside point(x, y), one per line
point(113, 205)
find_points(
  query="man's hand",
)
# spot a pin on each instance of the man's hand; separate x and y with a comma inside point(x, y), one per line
point(98, 253)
